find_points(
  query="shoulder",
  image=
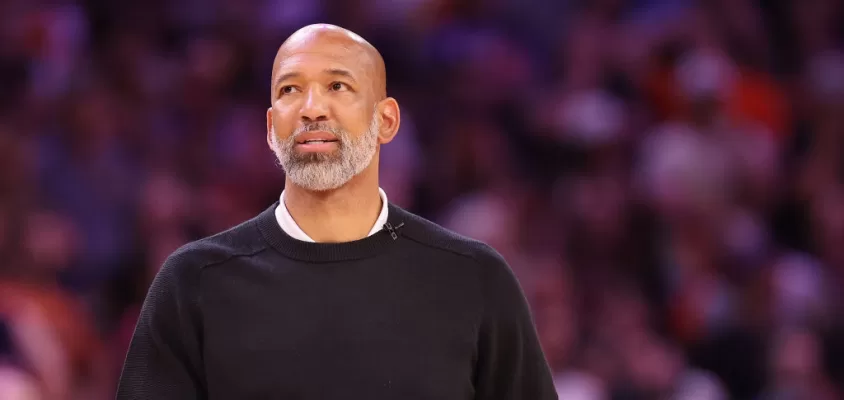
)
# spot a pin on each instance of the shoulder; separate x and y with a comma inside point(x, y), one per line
point(239, 241)
point(439, 238)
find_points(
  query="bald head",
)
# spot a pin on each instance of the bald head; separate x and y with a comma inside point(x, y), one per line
point(342, 44)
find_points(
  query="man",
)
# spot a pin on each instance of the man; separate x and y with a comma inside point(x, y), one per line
point(333, 292)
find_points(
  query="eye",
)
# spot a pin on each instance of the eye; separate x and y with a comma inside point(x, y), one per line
point(338, 86)
point(288, 89)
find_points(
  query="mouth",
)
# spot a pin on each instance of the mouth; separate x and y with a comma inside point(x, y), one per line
point(315, 136)
point(312, 141)
point(317, 142)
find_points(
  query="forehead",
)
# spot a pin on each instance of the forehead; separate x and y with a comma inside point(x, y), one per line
point(321, 54)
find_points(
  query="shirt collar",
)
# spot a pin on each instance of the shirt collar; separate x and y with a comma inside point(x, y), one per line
point(289, 226)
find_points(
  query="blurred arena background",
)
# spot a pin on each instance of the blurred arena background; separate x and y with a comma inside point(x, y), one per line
point(666, 177)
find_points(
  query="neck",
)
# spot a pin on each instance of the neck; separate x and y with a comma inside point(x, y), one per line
point(336, 216)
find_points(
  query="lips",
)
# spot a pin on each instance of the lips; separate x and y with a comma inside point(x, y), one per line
point(316, 137)
point(317, 142)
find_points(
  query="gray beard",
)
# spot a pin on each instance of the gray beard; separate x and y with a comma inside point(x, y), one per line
point(321, 172)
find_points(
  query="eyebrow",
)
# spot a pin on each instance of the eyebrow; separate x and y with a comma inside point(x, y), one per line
point(330, 71)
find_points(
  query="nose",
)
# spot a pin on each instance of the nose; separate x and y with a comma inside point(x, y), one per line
point(315, 107)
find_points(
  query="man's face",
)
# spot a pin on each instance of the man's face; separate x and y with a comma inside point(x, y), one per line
point(323, 121)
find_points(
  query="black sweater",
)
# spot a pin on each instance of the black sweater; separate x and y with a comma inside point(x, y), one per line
point(415, 312)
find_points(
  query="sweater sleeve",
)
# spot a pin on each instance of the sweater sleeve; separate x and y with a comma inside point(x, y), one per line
point(164, 357)
point(510, 362)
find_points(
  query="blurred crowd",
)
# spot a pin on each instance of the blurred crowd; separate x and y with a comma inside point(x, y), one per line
point(665, 177)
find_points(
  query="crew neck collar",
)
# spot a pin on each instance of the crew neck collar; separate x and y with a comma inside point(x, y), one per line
point(331, 252)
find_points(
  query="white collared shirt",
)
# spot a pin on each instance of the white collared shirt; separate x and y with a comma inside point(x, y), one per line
point(289, 226)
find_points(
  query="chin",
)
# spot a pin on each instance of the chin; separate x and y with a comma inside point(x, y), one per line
point(311, 157)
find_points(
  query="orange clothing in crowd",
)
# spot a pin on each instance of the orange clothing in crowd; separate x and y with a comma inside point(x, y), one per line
point(66, 317)
point(755, 98)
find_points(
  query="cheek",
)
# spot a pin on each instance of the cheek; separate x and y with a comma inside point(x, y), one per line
point(354, 120)
point(283, 122)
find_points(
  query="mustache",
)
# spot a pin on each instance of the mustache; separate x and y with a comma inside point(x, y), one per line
point(318, 126)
